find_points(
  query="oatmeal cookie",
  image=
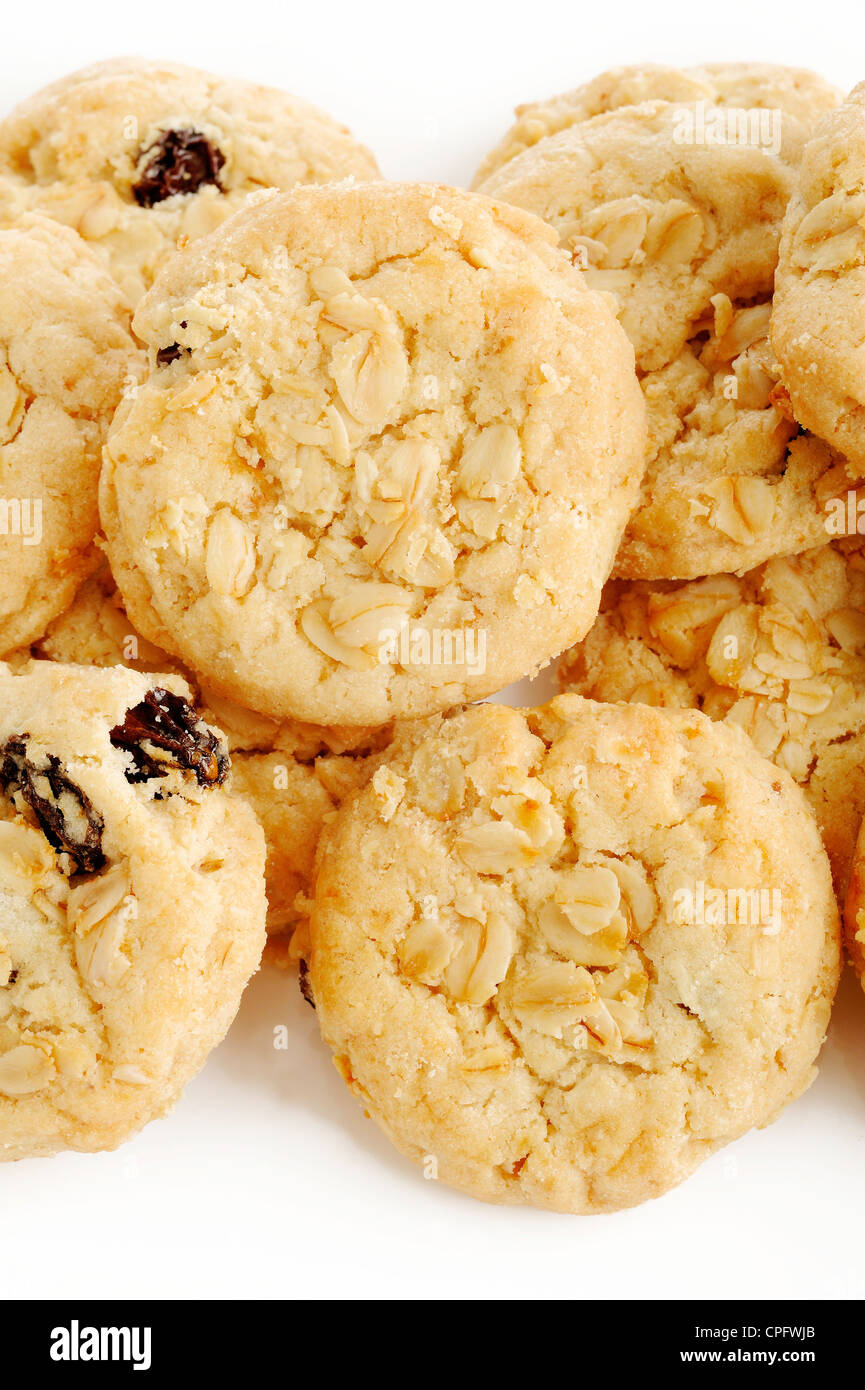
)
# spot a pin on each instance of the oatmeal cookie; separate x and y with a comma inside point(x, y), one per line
point(779, 651)
point(818, 321)
point(293, 775)
point(747, 87)
point(66, 354)
point(142, 157)
point(563, 955)
point(685, 234)
point(131, 903)
point(383, 458)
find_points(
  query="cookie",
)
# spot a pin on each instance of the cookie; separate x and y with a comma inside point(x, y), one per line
point(854, 912)
point(748, 87)
point(131, 903)
point(142, 157)
point(293, 775)
point(563, 955)
point(66, 355)
point(731, 479)
point(383, 458)
point(684, 232)
point(779, 652)
point(818, 321)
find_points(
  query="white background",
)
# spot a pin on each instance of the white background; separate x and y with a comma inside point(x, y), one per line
point(267, 1181)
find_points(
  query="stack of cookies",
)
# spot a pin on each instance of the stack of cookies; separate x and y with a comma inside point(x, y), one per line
point(313, 462)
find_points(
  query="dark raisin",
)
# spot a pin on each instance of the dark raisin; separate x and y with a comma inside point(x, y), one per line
point(13, 978)
point(66, 814)
point(164, 732)
point(180, 161)
point(305, 985)
point(165, 356)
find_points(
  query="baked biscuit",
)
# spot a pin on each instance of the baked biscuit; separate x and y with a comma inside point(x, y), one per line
point(818, 321)
point(293, 775)
point(563, 955)
point(66, 355)
point(383, 458)
point(684, 232)
point(779, 651)
point(131, 903)
point(142, 157)
point(747, 87)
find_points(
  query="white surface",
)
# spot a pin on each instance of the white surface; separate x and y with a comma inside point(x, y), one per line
point(267, 1182)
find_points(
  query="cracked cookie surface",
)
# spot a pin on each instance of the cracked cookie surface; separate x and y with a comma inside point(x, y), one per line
point(507, 970)
point(131, 903)
point(382, 460)
point(684, 234)
point(143, 157)
point(779, 651)
point(746, 86)
point(818, 321)
point(66, 355)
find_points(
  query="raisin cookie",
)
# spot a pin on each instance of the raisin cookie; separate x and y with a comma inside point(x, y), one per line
point(818, 324)
point(66, 354)
point(563, 955)
point(684, 232)
point(383, 458)
point(293, 775)
point(142, 157)
point(779, 651)
point(131, 903)
point(748, 87)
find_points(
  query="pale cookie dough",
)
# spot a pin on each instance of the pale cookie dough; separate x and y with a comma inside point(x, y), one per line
point(747, 87)
point(563, 955)
point(818, 323)
point(685, 236)
point(142, 157)
point(66, 355)
point(779, 652)
point(131, 904)
point(383, 459)
point(293, 775)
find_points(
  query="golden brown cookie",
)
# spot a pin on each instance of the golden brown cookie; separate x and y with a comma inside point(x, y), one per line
point(563, 955)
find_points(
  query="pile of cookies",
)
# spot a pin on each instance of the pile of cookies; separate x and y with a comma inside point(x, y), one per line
point(298, 465)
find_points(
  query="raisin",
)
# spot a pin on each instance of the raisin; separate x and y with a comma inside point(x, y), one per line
point(305, 985)
point(165, 356)
point(180, 161)
point(174, 737)
point(66, 814)
point(13, 978)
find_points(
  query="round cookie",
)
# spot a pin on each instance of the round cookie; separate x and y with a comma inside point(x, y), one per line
point(293, 775)
point(131, 904)
point(745, 86)
point(142, 157)
point(818, 321)
point(779, 651)
point(563, 955)
point(383, 458)
point(66, 355)
point(658, 215)
point(685, 234)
